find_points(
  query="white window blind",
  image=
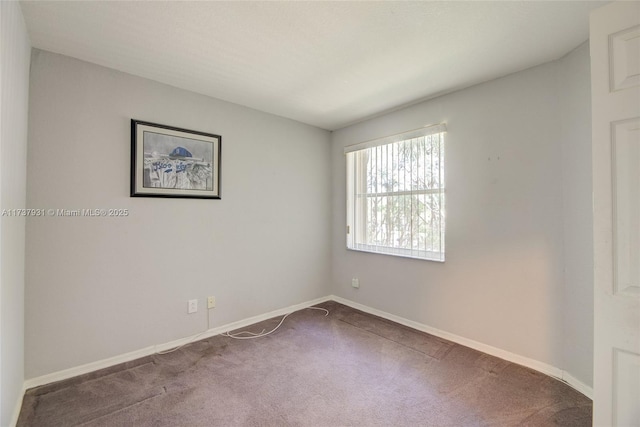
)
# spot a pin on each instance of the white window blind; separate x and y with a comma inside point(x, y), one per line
point(395, 194)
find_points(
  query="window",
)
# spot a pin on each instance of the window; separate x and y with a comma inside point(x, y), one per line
point(395, 195)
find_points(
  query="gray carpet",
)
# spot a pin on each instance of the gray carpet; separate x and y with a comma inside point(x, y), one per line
point(347, 369)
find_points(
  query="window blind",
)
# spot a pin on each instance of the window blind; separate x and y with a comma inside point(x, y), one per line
point(424, 131)
point(395, 194)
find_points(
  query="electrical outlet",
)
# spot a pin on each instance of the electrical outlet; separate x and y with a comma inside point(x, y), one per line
point(211, 302)
point(193, 306)
point(355, 282)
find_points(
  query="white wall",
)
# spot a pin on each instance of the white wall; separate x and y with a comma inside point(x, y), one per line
point(503, 281)
point(15, 57)
point(100, 287)
point(574, 89)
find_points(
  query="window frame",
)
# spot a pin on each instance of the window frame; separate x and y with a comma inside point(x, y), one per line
point(354, 165)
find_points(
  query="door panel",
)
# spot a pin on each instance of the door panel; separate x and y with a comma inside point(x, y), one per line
point(615, 92)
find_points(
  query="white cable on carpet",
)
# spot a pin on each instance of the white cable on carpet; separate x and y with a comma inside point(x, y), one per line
point(237, 336)
point(193, 338)
point(252, 335)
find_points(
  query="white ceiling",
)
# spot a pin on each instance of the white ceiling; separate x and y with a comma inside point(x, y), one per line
point(328, 64)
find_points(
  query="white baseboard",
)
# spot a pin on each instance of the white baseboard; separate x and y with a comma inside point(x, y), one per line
point(494, 351)
point(127, 357)
point(18, 407)
point(577, 384)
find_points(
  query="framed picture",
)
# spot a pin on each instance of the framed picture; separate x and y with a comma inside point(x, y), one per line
point(173, 162)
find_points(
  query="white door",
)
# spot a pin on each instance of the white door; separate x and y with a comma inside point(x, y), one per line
point(615, 92)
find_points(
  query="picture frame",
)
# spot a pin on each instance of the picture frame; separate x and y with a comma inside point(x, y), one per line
point(167, 161)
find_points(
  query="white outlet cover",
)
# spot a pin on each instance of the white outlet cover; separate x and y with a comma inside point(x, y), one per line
point(193, 306)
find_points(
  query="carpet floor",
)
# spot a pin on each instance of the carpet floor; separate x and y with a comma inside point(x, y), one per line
point(345, 369)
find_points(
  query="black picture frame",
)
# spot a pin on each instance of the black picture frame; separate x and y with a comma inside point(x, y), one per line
point(167, 161)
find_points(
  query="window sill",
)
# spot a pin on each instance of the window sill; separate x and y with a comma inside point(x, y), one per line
point(400, 252)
